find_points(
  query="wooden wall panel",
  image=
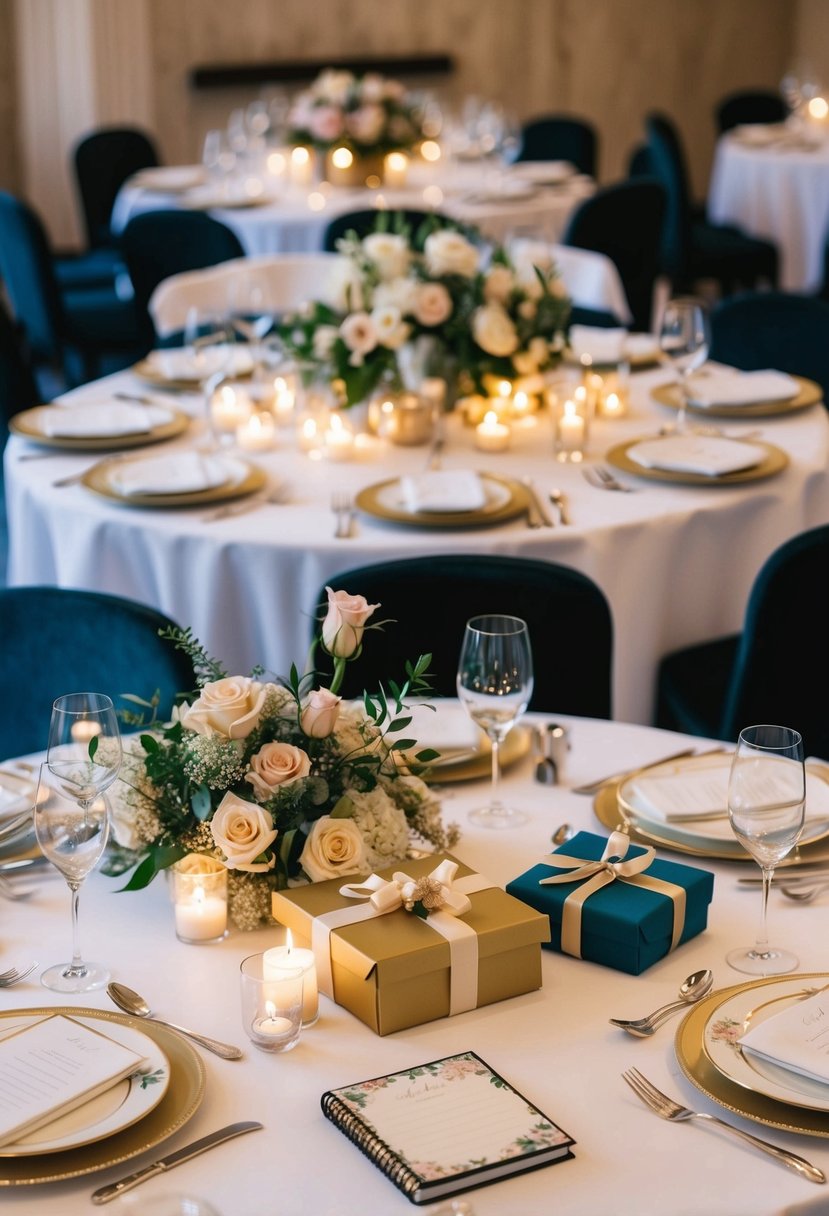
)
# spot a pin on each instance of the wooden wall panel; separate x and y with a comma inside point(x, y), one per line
point(9, 140)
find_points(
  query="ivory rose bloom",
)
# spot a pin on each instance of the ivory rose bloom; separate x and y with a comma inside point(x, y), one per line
point(342, 629)
point(365, 124)
point(319, 713)
point(433, 304)
point(389, 252)
point(243, 830)
point(276, 764)
point(333, 847)
point(498, 284)
point(449, 252)
point(493, 330)
point(231, 707)
point(326, 123)
point(392, 331)
point(360, 336)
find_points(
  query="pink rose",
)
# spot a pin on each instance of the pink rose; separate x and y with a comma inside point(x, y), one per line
point(319, 713)
point(243, 831)
point(276, 764)
point(342, 629)
point(360, 336)
point(365, 124)
point(325, 123)
point(433, 304)
point(231, 707)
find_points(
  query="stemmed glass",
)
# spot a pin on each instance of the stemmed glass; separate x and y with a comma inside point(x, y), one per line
point(766, 800)
point(495, 683)
point(685, 338)
point(71, 816)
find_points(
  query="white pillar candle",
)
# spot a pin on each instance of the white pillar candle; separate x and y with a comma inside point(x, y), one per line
point(230, 408)
point(492, 435)
point(338, 439)
point(257, 434)
point(282, 960)
point(202, 917)
point(302, 166)
point(284, 399)
point(395, 168)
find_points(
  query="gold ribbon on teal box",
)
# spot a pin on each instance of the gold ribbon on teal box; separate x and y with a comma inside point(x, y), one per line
point(593, 875)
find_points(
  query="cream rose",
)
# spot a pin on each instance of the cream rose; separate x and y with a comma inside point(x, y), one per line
point(243, 831)
point(390, 253)
point(392, 331)
point(433, 304)
point(319, 713)
point(493, 330)
point(360, 336)
point(276, 764)
point(448, 252)
point(333, 847)
point(498, 283)
point(231, 707)
point(342, 629)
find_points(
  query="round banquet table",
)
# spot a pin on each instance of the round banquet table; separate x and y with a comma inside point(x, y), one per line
point(779, 192)
point(676, 562)
point(554, 1045)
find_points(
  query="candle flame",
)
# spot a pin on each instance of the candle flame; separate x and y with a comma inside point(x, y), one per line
point(490, 418)
point(198, 897)
point(270, 1009)
point(300, 156)
point(342, 158)
point(570, 409)
point(430, 150)
point(289, 942)
point(504, 388)
point(397, 161)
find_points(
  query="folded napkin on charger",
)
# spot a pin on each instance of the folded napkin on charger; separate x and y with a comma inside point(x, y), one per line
point(443, 490)
point(597, 344)
point(704, 454)
point(185, 364)
point(101, 421)
point(184, 473)
point(727, 386)
point(445, 727)
point(695, 790)
point(797, 1038)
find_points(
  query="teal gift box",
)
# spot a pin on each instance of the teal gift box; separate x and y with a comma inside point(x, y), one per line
point(615, 903)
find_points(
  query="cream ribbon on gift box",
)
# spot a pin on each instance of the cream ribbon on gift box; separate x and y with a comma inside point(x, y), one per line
point(382, 895)
point(593, 875)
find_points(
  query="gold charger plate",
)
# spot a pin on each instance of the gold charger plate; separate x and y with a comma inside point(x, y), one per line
point(26, 424)
point(466, 767)
point(98, 478)
point(508, 500)
point(179, 1104)
point(689, 1047)
point(774, 461)
point(808, 394)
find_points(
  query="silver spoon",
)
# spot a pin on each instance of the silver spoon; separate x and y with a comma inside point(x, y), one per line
point(562, 834)
point(131, 1002)
point(692, 989)
point(545, 768)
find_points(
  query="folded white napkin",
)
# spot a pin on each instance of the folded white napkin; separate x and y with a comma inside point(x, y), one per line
point(705, 454)
point(99, 421)
point(640, 346)
point(694, 790)
point(183, 473)
point(185, 364)
point(443, 490)
point(727, 386)
point(796, 1038)
point(598, 344)
point(446, 727)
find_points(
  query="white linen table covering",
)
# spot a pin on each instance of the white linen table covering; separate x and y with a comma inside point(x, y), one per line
point(676, 562)
point(554, 1045)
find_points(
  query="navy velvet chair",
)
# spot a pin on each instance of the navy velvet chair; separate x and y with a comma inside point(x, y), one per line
point(56, 641)
point(18, 387)
point(776, 670)
point(430, 599)
point(624, 222)
point(692, 248)
point(747, 106)
point(369, 220)
point(560, 137)
point(763, 329)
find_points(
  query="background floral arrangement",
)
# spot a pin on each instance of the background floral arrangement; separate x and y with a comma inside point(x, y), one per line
point(393, 292)
point(281, 782)
point(369, 114)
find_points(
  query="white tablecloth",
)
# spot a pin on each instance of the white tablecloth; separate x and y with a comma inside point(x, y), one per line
point(779, 193)
point(554, 1045)
point(675, 562)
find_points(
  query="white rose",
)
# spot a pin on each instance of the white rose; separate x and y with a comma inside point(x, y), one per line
point(493, 330)
point(231, 707)
point(398, 293)
point(390, 253)
point(498, 283)
point(276, 764)
point(324, 340)
point(392, 331)
point(343, 289)
point(448, 252)
point(334, 847)
point(243, 830)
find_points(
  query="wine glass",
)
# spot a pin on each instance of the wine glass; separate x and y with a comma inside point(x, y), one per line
point(495, 683)
point(685, 338)
point(84, 750)
point(766, 799)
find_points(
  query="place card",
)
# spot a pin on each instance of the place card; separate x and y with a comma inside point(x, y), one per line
point(797, 1038)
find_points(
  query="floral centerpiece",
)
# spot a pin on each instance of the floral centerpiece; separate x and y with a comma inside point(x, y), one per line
point(395, 295)
point(282, 782)
point(370, 115)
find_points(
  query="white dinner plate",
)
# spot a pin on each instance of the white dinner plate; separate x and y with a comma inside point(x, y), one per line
point(750, 1007)
point(110, 1112)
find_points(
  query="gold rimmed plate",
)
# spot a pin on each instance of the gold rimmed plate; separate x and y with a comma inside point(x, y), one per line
point(175, 370)
point(179, 1103)
point(245, 479)
point(728, 1093)
point(809, 393)
point(30, 424)
point(505, 500)
point(463, 766)
point(773, 461)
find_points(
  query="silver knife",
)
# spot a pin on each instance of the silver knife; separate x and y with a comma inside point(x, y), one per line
point(114, 1189)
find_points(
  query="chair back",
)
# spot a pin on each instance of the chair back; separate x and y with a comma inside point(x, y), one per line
point(57, 641)
point(667, 164)
point(366, 221)
point(28, 274)
point(18, 387)
point(560, 137)
point(103, 161)
point(756, 330)
point(782, 662)
point(747, 106)
point(625, 222)
point(430, 599)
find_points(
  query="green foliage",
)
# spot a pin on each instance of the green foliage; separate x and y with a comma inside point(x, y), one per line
point(206, 668)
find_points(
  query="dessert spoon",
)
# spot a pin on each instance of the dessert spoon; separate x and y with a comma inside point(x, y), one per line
point(131, 1002)
point(692, 989)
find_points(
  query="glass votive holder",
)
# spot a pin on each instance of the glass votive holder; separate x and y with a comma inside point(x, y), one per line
point(610, 390)
point(407, 419)
point(230, 407)
point(571, 427)
point(271, 1008)
point(288, 958)
point(199, 889)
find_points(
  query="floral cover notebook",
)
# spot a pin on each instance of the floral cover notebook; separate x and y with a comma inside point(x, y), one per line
point(444, 1127)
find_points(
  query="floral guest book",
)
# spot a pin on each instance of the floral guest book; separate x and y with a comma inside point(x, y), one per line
point(445, 1127)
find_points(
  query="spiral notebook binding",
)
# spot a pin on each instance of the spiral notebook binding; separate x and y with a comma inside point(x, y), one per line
point(370, 1144)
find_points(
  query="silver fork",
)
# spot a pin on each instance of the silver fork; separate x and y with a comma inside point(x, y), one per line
point(666, 1108)
point(14, 975)
point(342, 504)
point(598, 475)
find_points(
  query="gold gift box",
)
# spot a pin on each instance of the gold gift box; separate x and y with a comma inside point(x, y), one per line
point(392, 972)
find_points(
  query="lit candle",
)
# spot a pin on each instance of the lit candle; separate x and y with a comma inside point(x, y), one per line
point(339, 440)
point(257, 434)
point(571, 428)
point(284, 399)
point(230, 408)
point(84, 730)
point(492, 435)
point(308, 435)
point(612, 406)
point(282, 960)
point(395, 168)
point(302, 166)
point(202, 917)
point(430, 150)
point(272, 1025)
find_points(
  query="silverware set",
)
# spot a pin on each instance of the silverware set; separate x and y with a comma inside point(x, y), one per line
point(342, 504)
point(537, 514)
point(602, 479)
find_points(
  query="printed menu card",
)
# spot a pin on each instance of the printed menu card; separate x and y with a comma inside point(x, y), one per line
point(797, 1037)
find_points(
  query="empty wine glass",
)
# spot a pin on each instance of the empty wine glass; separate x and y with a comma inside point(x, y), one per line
point(766, 799)
point(84, 750)
point(495, 683)
point(685, 338)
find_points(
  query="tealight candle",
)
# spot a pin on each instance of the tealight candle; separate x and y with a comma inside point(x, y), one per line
point(395, 168)
point(83, 730)
point(257, 434)
point(612, 406)
point(230, 408)
point(271, 1025)
point(271, 1007)
point(284, 399)
point(571, 431)
point(301, 167)
point(338, 439)
point(492, 435)
point(279, 959)
point(200, 899)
